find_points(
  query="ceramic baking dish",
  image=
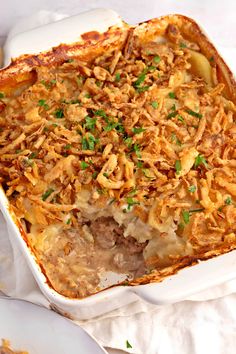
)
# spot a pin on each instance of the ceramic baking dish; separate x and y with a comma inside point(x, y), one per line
point(173, 288)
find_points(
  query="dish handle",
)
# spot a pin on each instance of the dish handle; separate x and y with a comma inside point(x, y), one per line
point(68, 30)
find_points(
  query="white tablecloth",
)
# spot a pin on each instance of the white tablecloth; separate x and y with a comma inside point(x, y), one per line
point(204, 324)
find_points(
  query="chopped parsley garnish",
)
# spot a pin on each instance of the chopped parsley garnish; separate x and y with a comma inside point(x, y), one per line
point(157, 59)
point(2, 95)
point(192, 189)
point(211, 59)
point(228, 201)
point(42, 103)
point(105, 174)
point(154, 104)
point(141, 78)
point(90, 123)
point(181, 119)
point(172, 114)
point(18, 151)
point(194, 114)
point(70, 60)
point(98, 83)
point(136, 149)
point(87, 95)
point(94, 175)
point(182, 45)
point(139, 164)
point(67, 147)
point(128, 142)
point(175, 139)
point(200, 160)
point(130, 201)
point(88, 143)
point(128, 345)
point(172, 95)
point(68, 221)
point(79, 80)
point(47, 194)
point(186, 216)
point(117, 77)
point(59, 113)
point(138, 130)
point(48, 84)
point(84, 165)
point(101, 113)
point(110, 126)
point(32, 155)
point(178, 167)
point(133, 192)
point(140, 89)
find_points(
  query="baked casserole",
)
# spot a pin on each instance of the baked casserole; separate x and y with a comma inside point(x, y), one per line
point(117, 154)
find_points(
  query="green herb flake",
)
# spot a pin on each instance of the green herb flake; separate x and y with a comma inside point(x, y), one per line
point(141, 78)
point(211, 59)
point(68, 221)
point(194, 114)
point(117, 77)
point(186, 216)
point(2, 95)
point(171, 95)
point(136, 149)
point(94, 175)
point(157, 59)
point(192, 189)
point(181, 225)
point(228, 201)
point(154, 104)
point(101, 113)
point(200, 160)
point(105, 174)
point(138, 130)
point(87, 95)
point(32, 155)
point(59, 113)
point(130, 201)
point(175, 139)
point(172, 114)
point(84, 165)
point(42, 103)
point(128, 345)
point(18, 151)
point(98, 83)
point(139, 164)
point(70, 60)
point(90, 123)
point(183, 45)
point(141, 89)
point(128, 141)
point(47, 194)
point(79, 80)
point(178, 167)
point(88, 143)
point(181, 119)
point(67, 147)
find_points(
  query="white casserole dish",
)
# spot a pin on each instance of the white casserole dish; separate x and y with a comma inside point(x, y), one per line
point(174, 288)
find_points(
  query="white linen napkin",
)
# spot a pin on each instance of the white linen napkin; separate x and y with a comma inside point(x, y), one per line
point(206, 323)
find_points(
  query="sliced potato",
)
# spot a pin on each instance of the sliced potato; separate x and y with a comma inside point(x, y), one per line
point(201, 66)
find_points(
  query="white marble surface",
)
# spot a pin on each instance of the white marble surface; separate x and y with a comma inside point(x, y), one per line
point(217, 16)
